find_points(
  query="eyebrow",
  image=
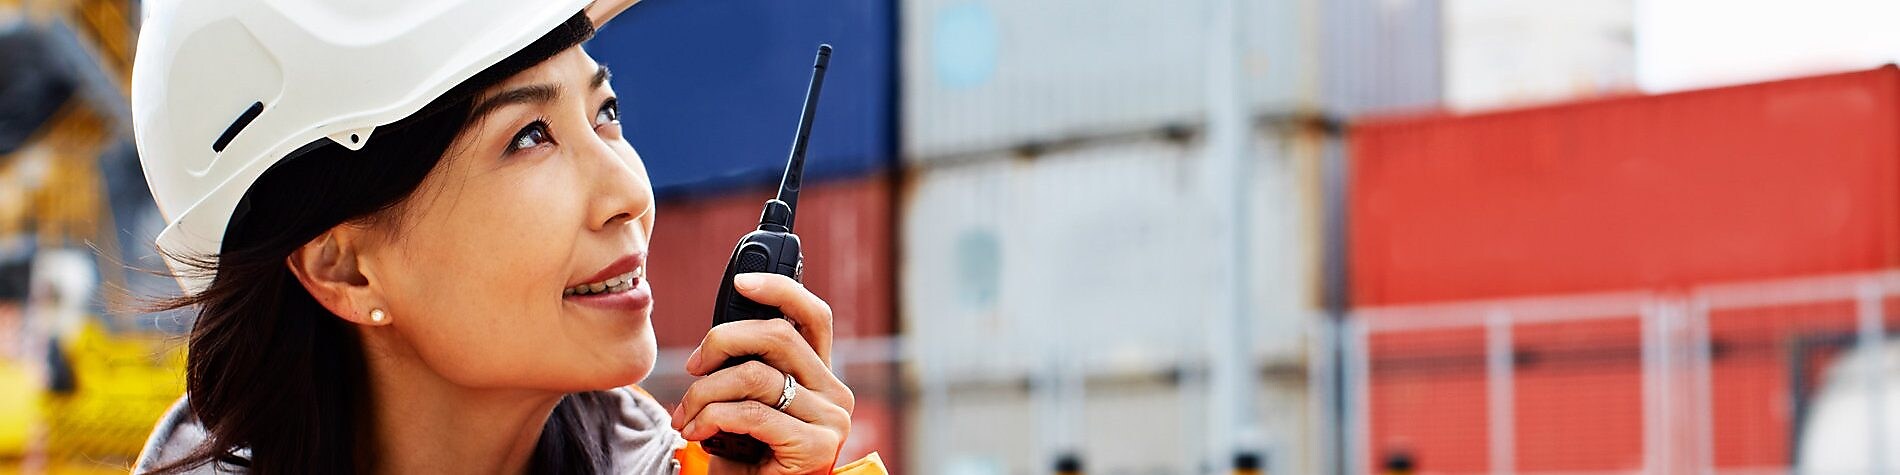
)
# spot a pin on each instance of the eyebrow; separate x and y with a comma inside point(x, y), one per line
point(531, 94)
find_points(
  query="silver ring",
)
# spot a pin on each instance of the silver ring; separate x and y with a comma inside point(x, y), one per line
point(790, 392)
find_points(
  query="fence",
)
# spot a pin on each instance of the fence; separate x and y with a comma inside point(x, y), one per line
point(1711, 379)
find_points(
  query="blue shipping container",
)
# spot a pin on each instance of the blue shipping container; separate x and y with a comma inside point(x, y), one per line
point(711, 89)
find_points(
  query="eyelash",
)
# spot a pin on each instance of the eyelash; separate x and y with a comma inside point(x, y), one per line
point(540, 125)
point(612, 107)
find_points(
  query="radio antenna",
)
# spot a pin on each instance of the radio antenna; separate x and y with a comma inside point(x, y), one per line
point(795, 166)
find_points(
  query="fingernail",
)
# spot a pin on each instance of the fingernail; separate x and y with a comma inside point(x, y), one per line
point(747, 281)
point(689, 428)
point(692, 361)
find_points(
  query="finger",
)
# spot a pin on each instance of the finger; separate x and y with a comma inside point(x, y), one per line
point(811, 314)
point(774, 341)
point(755, 381)
point(797, 446)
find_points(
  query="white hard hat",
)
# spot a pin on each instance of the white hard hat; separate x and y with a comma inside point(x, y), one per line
point(223, 89)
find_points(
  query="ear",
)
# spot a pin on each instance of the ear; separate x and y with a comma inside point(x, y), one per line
point(329, 267)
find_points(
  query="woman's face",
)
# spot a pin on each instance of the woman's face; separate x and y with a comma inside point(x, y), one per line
point(538, 196)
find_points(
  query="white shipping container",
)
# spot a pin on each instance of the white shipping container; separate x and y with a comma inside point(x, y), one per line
point(985, 75)
point(1107, 254)
point(1142, 427)
point(1502, 53)
point(1379, 56)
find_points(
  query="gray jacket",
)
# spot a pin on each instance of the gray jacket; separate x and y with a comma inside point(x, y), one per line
point(643, 442)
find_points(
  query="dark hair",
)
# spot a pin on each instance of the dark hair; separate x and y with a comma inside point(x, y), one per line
point(271, 371)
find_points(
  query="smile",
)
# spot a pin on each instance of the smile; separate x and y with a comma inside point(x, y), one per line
point(615, 284)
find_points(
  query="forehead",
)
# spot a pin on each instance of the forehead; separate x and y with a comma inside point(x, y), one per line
point(572, 65)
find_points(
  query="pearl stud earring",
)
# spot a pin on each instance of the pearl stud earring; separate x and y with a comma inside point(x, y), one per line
point(377, 315)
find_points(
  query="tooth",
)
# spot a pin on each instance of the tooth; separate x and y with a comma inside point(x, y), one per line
point(600, 287)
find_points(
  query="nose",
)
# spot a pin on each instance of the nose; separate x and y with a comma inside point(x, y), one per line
point(621, 191)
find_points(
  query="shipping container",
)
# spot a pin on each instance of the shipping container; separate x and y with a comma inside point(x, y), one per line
point(844, 227)
point(1127, 428)
point(1112, 251)
point(712, 90)
point(1101, 262)
point(1503, 53)
point(1720, 377)
point(1775, 179)
point(1120, 426)
point(985, 75)
point(1664, 199)
point(1380, 56)
point(878, 422)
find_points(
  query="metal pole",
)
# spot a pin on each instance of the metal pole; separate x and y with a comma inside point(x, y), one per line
point(1500, 386)
point(1651, 424)
point(1358, 394)
point(1658, 420)
point(935, 399)
point(1323, 400)
point(1872, 340)
point(1230, 357)
point(1704, 368)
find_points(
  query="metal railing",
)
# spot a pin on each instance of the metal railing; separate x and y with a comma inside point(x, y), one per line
point(1677, 347)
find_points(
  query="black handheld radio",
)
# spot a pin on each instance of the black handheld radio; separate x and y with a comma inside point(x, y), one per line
point(771, 248)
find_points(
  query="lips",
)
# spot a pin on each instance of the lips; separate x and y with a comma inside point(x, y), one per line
point(625, 273)
point(619, 283)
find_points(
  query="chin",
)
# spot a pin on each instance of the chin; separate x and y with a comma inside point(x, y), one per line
point(635, 358)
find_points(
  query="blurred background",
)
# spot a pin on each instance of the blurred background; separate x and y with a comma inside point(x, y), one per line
point(1167, 237)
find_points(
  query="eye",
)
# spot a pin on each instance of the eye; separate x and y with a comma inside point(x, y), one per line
point(609, 113)
point(533, 135)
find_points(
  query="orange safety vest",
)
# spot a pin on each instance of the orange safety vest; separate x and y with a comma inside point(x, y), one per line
point(694, 461)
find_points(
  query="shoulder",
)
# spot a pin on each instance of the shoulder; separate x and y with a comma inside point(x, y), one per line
point(177, 434)
point(640, 437)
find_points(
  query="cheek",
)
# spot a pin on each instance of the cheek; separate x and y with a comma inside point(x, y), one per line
point(487, 250)
point(480, 278)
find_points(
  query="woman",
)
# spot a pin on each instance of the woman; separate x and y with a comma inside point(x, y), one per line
point(415, 238)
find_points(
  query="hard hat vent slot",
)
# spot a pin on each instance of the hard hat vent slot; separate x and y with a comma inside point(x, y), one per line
point(238, 125)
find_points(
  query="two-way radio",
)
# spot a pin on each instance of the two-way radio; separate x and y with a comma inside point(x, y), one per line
point(771, 248)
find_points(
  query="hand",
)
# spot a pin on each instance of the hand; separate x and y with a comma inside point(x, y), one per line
point(806, 436)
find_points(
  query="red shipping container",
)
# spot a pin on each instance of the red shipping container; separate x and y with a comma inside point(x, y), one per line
point(1758, 181)
point(843, 225)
